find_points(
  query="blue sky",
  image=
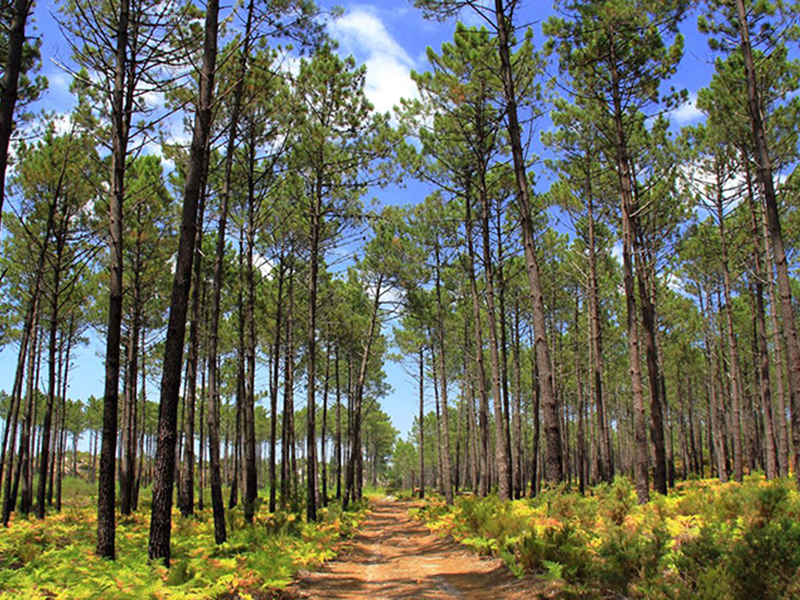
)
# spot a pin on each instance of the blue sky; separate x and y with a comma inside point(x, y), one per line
point(390, 38)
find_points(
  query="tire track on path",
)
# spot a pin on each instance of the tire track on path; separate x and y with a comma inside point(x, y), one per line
point(396, 557)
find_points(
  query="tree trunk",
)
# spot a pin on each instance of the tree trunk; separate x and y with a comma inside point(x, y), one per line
point(288, 471)
point(161, 519)
point(22, 470)
point(311, 353)
point(484, 484)
point(338, 428)
point(447, 471)
point(765, 175)
point(553, 467)
point(52, 390)
point(250, 487)
point(502, 451)
point(765, 387)
point(628, 247)
point(421, 421)
point(186, 488)
point(106, 525)
point(606, 456)
point(9, 86)
point(355, 432)
point(273, 399)
point(733, 352)
point(323, 433)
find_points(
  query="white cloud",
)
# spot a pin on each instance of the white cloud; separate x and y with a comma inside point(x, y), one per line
point(687, 112)
point(362, 32)
point(264, 264)
point(58, 83)
point(288, 62)
point(675, 284)
point(616, 252)
point(63, 123)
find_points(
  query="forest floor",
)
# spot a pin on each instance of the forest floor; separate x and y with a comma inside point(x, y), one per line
point(396, 556)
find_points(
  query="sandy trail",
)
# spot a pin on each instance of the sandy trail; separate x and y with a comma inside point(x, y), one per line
point(395, 556)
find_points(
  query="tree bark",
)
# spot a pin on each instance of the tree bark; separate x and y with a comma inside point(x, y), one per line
point(273, 400)
point(161, 516)
point(765, 178)
point(186, 488)
point(553, 460)
point(106, 526)
point(765, 386)
point(502, 451)
point(9, 86)
point(421, 421)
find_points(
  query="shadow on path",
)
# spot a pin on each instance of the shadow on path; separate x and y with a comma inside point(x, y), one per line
point(394, 556)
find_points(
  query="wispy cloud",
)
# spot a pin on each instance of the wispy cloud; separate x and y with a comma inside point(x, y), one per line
point(363, 33)
point(687, 112)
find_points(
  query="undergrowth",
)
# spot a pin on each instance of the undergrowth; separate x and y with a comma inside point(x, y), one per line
point(55, 558)
point(705, 540)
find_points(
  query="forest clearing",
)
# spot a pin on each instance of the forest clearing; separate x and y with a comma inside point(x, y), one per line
point(428, 298)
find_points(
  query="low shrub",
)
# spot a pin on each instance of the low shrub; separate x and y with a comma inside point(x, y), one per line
point(705, 540)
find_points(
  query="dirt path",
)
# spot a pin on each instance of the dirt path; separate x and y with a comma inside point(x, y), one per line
point(395, 556)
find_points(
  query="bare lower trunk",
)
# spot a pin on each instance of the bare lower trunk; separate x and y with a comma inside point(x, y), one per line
point(553, 458)
point(106, 526)
point(161, 516)
point(765, 178)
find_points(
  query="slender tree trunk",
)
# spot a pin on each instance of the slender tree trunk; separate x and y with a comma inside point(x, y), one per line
point(128, 479)
point(52, 390)
point(502, 451)
point(716, 425)
point(581, 455)
point(9, 86)
point(628, 247)
point(338, 427)
point(161, 519)
point(201, 478)
point(142, 421)
point(355, 432)
point(765, 387)
point(765, 178)
point(106, 526)
point(483, 410)
point(421, 421)
point(323, 433)
point(273, 400)
point(606, 456)
point(22, 470)
point(186, 487)
point(553, 466)
point(250, 487)
point(447, 471)
point(288, 471)
point(535, 454)
point(236, 446)
point(778, 343)
point(733, 352)
point(311, 353)
point(519, 463)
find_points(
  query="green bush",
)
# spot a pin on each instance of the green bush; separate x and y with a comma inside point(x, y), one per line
point(564, 546)
point(765, 562)
point(705, 540)
point(629, 555)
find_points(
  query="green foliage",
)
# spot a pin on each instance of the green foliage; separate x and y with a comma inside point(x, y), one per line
point(55, 558)
point(705, 540)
